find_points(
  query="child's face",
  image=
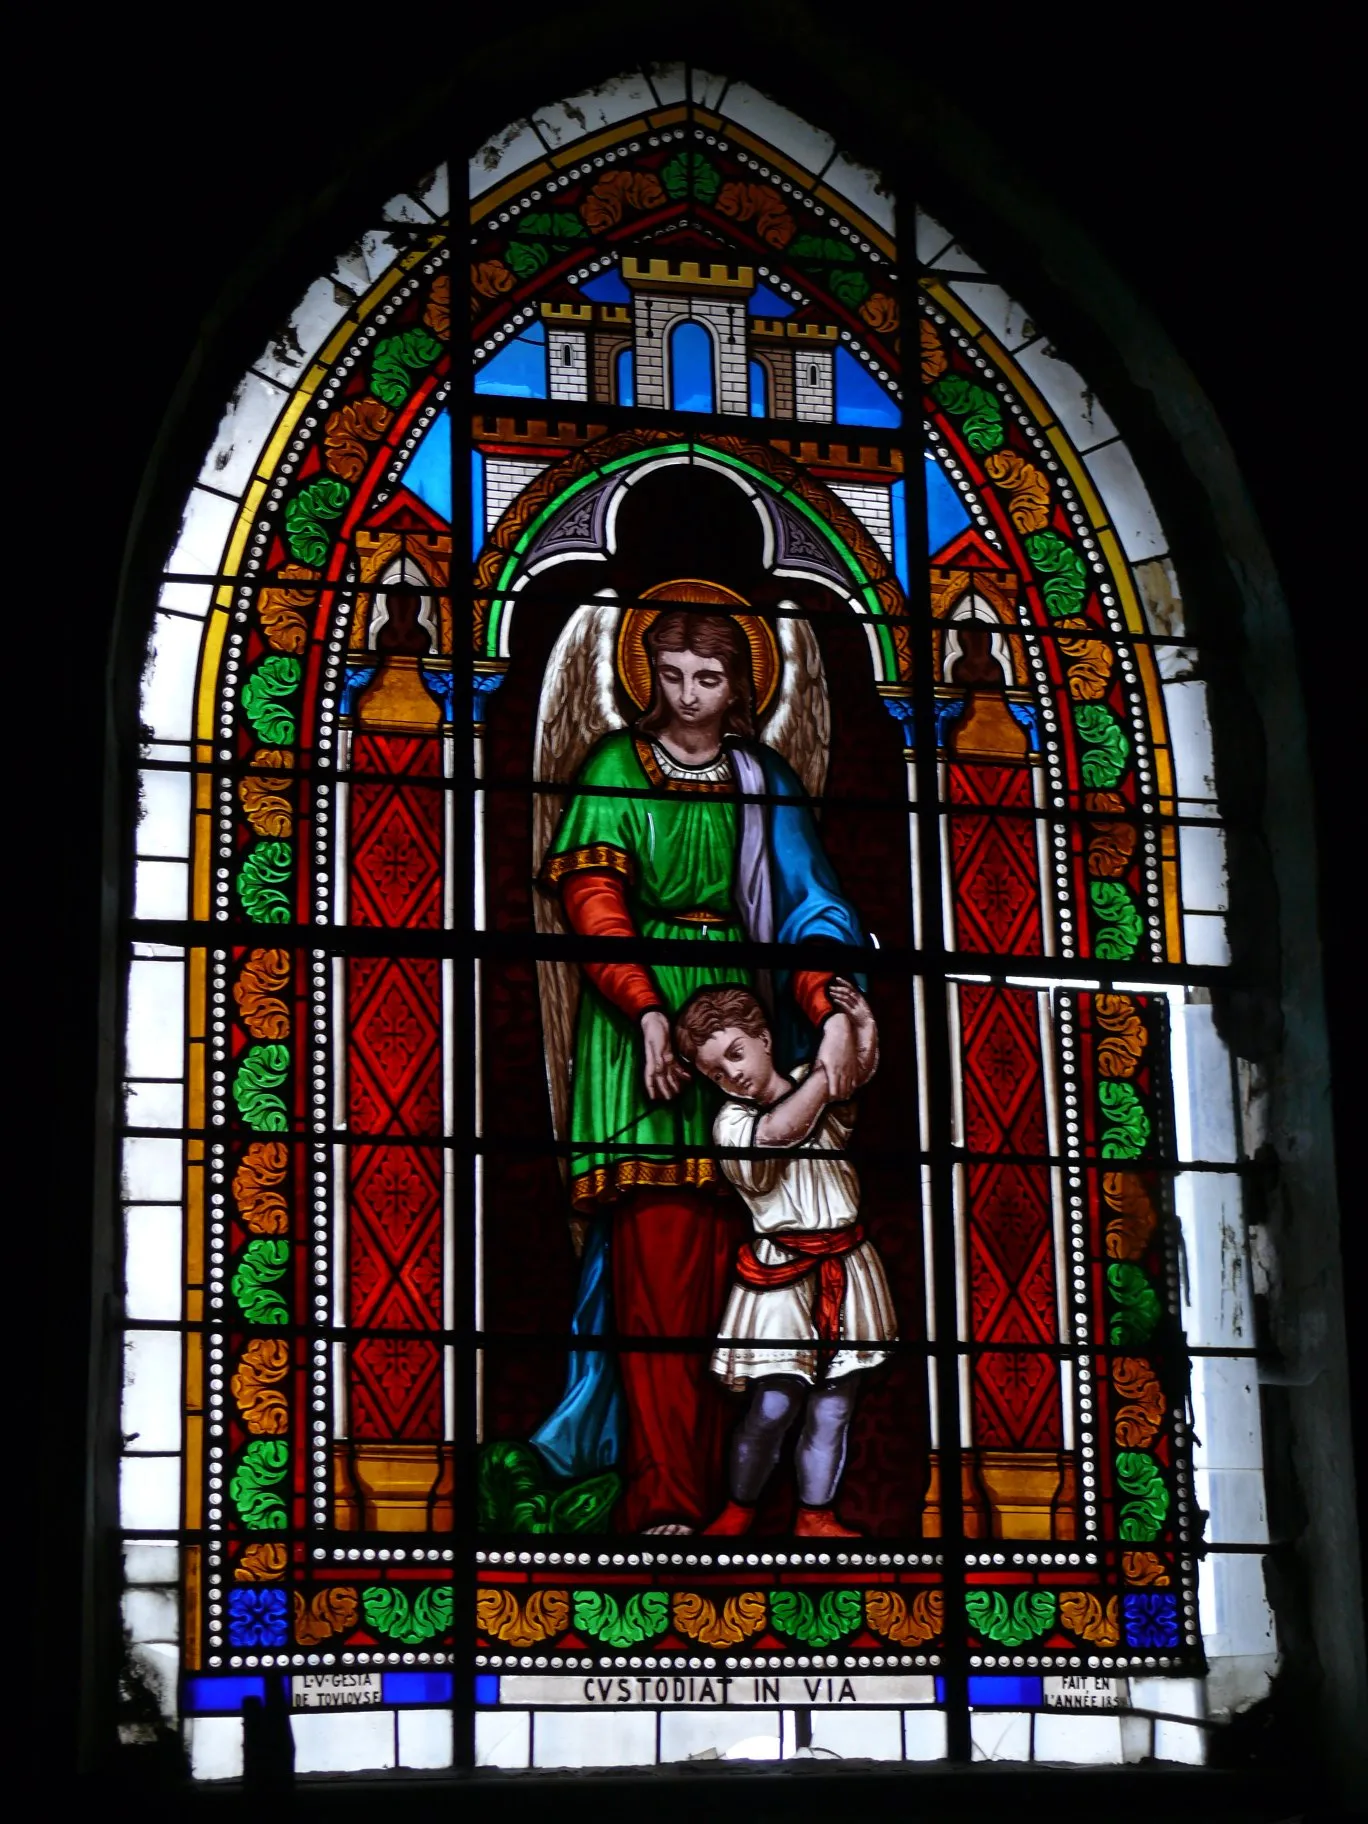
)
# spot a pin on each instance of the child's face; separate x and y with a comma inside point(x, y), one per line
point(740, 1063)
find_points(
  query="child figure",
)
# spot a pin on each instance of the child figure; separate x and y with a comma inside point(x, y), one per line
point(811, 1308)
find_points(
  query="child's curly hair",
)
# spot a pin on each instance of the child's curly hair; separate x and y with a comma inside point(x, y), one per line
point(713, 1010)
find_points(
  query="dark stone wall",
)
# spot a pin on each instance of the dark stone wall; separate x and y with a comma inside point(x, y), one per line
point(1180, 190)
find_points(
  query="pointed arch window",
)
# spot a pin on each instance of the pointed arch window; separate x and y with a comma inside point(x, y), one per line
point(460, 1354)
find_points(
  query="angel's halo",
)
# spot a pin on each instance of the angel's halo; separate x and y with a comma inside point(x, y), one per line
point(634, 666)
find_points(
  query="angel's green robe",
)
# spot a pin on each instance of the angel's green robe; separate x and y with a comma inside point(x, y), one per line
point(676, 851)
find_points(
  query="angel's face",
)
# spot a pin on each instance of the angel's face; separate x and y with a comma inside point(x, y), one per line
point(696, 691)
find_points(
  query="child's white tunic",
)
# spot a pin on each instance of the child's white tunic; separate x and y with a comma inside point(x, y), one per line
point(813, 1187)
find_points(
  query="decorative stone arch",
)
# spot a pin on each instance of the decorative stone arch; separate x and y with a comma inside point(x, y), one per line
point(570, 512)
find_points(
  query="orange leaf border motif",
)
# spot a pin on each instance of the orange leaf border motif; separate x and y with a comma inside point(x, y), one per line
point(261, 1562)
point(546, 1614)
point(1144, 1568)
point(1084, 1615)
point(909, 1624)
point(332, 1611)
point(263, 1209)
point(697, 1617)
point(265, 1411)
point(1138, 1421)
point(263, 1013)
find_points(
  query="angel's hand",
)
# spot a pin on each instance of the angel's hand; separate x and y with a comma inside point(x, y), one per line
point(837, 1054)
point(847, 997)
point(665, 1075)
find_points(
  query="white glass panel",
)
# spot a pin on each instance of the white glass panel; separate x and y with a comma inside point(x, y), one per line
point(405, 209)
point(1180, 1742)
point(1218, 1298)
point(1137, 1738)
point(805, 145)
point(163, 813)
point(152, 1261)
point(758, 1745)
point(151, 1561)
point(953, 259)
point(152, 1390)
point(1176, 1696)
point(611, 1738)
point(425, 1738)
point(924, 1735)
point(157, 1664)
point(667, 79)
point(372, 255)
point(1237, 1626)
point(1006, 318)
point(932, 238)
point(1126, 498)
point(303, 333)
point(155, 1036)
point(1202, 853)
point(1086, 1741)
point(858, 1735)
point(502, 1738)
point(1202, 1089)
point(500, 157)
point(149, 1494)
point(152, 1170)
point(1068, 396)
point(712, 1735)
point(168, 680)
point(154, 1104)
point(863, 188)
point(343, 1742)
point(1204, 940)
point(187, 598)
point(160, 889)
point(707, 88)
point(433, 190)
point(150, 1615)
point(242, 433)
point(214, 1744)
point(198, 551)
point(1234, 1502)
point(1190, 738)
point(595, 109)
point(1000, 1735)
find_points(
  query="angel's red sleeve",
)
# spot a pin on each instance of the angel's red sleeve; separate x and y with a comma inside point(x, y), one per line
point(810, 992)
point(596, 905)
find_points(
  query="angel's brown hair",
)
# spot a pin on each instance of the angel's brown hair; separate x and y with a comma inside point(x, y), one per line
point(711, 636)
point(712, 1010)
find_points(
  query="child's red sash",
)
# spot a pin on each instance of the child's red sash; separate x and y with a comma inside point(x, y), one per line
point(825, 1250)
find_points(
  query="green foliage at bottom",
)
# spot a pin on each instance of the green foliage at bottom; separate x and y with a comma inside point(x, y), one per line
point(838, 1612)
point(387, 1611)
point(515, 1494)
point(644, 1616)
point(1030, 1614)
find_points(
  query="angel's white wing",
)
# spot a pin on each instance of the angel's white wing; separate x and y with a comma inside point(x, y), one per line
point(799, 724)
point(576, 710)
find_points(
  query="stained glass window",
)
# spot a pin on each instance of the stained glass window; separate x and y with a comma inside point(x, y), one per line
point(681, 1188)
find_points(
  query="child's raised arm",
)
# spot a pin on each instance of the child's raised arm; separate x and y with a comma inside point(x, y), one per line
point(848, 998)
point(792, 1119)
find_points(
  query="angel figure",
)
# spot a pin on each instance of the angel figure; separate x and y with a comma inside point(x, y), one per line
point(684, 825)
